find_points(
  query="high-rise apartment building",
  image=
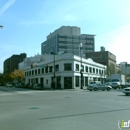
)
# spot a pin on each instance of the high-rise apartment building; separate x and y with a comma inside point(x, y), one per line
point(68, 39)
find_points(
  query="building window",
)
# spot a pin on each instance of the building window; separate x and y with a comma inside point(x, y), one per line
point(38, 71)
point(90, 69)
point(57, 67)
point(32, 72)
point(67, 66)
point(77, 67)
point(100, 72)
point(35, 72)
point(86, 68)
point(83, 80)
point(96, 71)
point(86, 81)
point(93, 70)
point(46, 69)
point(50, 68)
point(77, 81)
point(42, 70)
point(29, 72)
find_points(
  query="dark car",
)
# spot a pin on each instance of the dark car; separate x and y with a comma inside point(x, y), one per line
point(37, 86)
point(127, 84)
point(2, 84)
point(19, 85)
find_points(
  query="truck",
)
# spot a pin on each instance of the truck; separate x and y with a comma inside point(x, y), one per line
point(117, 81)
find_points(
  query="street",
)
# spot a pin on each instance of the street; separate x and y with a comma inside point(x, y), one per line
point(22, 109)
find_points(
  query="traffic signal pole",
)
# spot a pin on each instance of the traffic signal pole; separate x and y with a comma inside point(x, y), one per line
point(81, 70)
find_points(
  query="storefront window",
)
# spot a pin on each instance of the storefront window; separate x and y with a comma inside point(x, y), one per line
point(77, 81)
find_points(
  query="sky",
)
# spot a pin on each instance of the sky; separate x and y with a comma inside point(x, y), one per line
point(28, 22)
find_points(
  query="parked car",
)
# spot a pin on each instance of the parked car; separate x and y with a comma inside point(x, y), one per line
point(2, 84)
point(108, 83)
point(126, 91)
point(8, 84)
point(37, 86)
point(31, 86)
point(127, 84)
point(115, 85)
point(95, 82)
point(19, 85)
point(96, 87)
point(26, 86)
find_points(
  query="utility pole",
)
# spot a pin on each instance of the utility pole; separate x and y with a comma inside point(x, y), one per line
point(81, 70)
point(54, 76)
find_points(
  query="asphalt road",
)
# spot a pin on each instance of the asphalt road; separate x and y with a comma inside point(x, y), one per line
point(22, 109)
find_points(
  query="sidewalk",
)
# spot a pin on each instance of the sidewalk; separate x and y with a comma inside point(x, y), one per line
point(13, 89)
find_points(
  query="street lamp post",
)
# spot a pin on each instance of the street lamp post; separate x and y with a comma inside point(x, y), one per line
point(125, 69)
point(104, 70)
point(104, 75)
point(54, 69)
point(81, 70)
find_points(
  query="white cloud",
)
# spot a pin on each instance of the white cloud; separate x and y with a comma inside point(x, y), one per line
point(6, 6)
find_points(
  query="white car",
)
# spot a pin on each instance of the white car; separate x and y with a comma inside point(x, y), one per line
point(8, 85)
point(126, 91)
point(96, 87)
point(108, 84)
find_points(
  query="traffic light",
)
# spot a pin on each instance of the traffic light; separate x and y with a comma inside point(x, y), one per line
point(82, 68)
point(81, 71)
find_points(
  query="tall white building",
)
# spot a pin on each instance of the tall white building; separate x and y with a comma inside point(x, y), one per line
point(68, 38)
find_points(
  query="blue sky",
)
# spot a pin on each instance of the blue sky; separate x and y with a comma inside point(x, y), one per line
point(28, 22)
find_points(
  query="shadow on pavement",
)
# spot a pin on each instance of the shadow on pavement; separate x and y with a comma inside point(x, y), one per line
point(84, 114)
point(13, 89)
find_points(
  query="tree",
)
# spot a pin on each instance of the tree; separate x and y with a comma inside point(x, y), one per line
point(7, 78)
point(17, 75)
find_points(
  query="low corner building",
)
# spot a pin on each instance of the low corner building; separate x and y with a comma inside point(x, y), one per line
point(67, 71)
